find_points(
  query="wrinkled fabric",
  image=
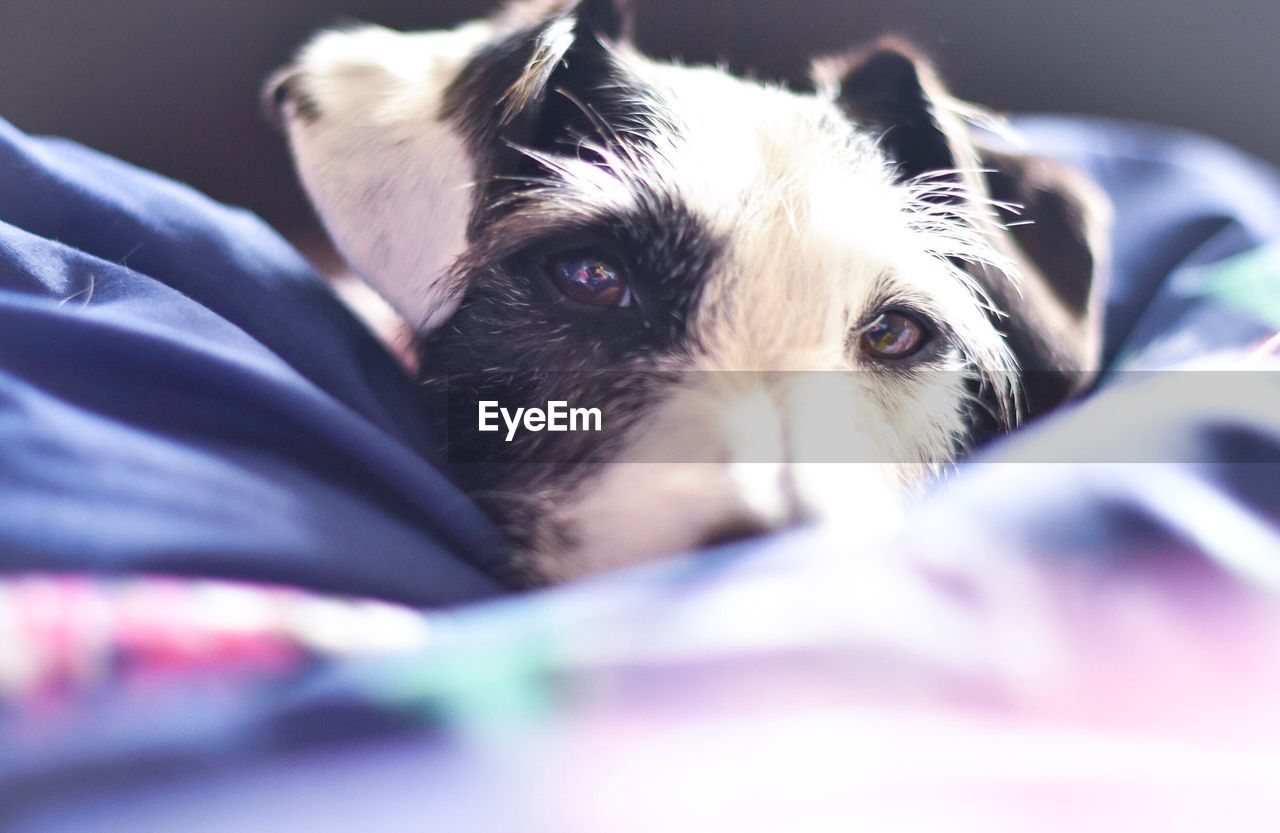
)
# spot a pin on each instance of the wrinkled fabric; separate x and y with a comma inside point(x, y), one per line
point(181, 393)
point(1076, 631)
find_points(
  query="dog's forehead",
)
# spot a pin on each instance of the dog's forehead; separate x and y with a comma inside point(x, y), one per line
point(743, 157)
point(803, 197)
point(743, 147)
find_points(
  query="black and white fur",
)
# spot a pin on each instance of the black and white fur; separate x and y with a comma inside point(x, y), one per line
point(762, 230)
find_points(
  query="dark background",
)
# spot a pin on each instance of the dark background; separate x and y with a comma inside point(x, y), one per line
point(174, 85)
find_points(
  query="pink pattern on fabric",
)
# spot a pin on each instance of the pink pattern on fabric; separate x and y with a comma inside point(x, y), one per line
point(61, 635)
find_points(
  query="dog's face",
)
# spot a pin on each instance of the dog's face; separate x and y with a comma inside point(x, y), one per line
point(783, 304)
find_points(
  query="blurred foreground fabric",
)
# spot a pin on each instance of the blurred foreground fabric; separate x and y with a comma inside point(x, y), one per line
point(239, 592)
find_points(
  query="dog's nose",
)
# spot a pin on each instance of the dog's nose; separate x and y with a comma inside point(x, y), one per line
point(732, 531)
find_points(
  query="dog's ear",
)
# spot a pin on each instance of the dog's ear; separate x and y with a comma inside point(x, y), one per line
point(893, 91)
point(398, 136)
point(543, 87)
point(1058, 222)
point(1050, 222)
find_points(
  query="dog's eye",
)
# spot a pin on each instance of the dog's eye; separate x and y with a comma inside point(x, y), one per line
point(589, 279)
point(894, 335)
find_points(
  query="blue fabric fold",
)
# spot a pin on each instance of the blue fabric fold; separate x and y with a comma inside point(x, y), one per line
point(181, 393)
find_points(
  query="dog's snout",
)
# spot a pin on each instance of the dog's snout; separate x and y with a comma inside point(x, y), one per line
point(733, 531)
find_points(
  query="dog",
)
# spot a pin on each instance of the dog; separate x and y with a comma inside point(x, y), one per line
point(783, 304)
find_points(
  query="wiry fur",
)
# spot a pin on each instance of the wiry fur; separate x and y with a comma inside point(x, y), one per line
point(764, 231)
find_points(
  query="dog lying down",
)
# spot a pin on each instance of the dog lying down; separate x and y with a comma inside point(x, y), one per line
point(723, 306)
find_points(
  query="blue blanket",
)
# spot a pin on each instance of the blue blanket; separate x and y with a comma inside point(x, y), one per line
point(180, 393)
